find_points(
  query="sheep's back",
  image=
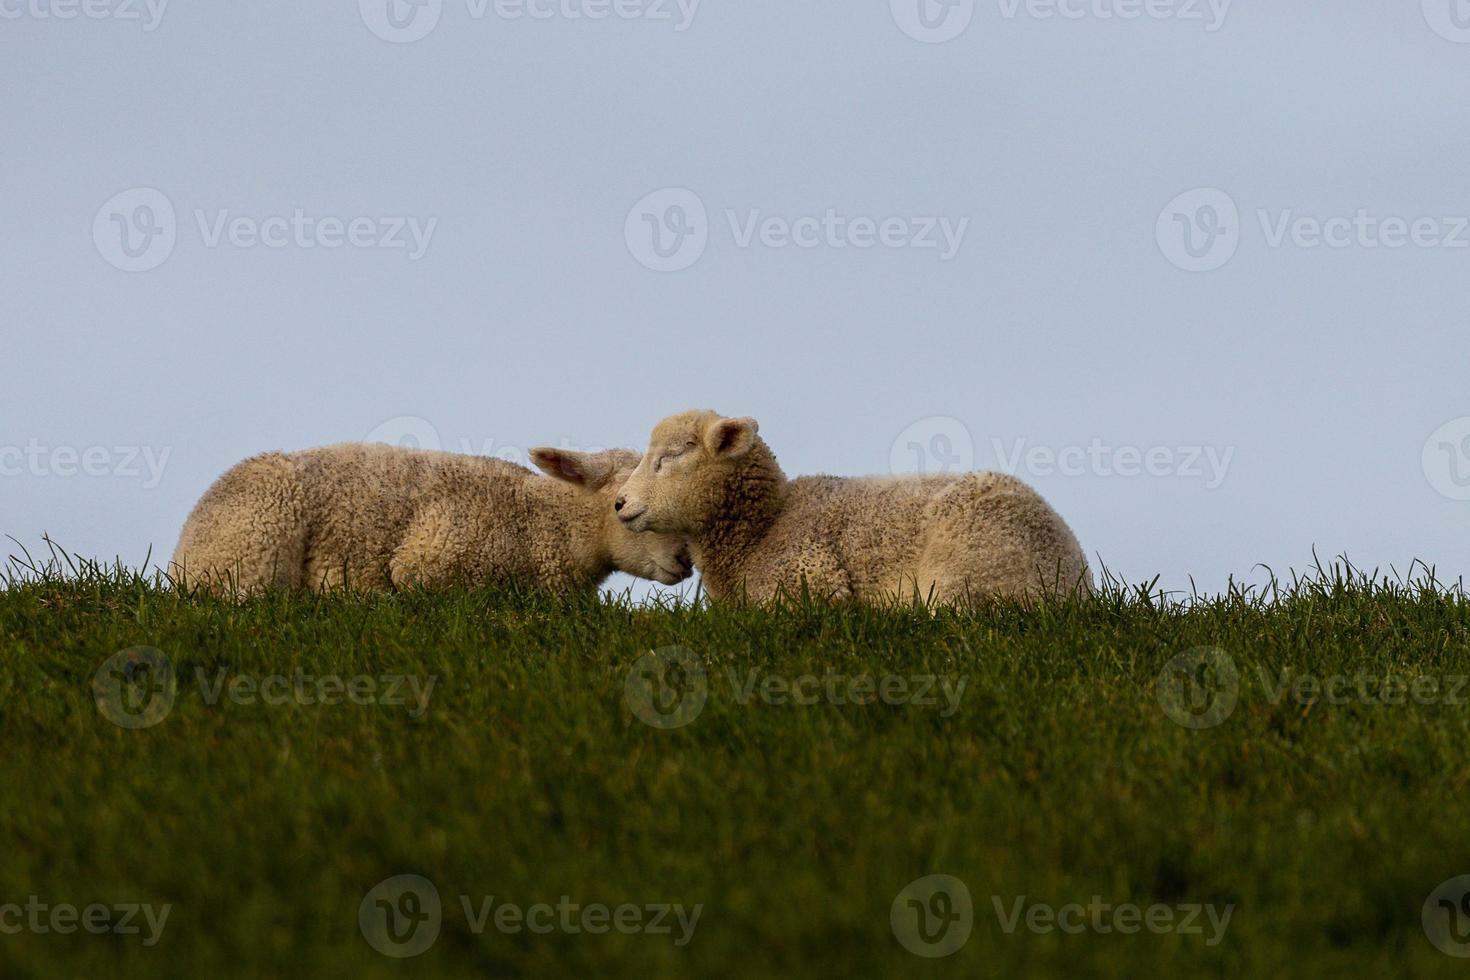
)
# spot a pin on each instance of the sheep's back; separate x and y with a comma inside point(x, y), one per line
point(364, 496)
point(876, 523)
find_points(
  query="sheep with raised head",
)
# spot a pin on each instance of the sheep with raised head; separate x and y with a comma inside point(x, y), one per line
point(377, 516)
point(754, 532)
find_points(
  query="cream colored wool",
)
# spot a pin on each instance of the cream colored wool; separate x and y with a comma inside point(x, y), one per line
point(753, 531)
point(377, 516)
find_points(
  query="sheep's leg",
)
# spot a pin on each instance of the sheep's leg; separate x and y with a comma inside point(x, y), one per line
point(442, 545)
point(248, 531)
point(414, 561)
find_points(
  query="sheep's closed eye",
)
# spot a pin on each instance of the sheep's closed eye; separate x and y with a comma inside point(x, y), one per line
point(658, 464)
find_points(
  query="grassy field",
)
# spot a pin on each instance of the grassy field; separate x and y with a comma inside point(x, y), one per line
point(271, 763)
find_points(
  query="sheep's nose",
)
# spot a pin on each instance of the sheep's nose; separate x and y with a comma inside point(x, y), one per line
point(618, 504)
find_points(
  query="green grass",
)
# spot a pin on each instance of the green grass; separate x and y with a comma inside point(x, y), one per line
point(528, 777)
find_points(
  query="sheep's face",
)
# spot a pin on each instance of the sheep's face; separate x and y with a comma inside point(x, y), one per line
point(678, 484)
point(661, 557)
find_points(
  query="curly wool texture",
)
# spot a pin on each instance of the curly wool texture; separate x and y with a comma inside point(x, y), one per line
point(378, 516)
point(753, 531)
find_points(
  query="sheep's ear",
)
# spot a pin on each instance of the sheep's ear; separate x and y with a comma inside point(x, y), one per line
point(731, 437)
point(589, 470)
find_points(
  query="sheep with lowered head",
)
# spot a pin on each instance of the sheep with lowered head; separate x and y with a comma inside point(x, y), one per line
point(752, 531)
point(374, 516)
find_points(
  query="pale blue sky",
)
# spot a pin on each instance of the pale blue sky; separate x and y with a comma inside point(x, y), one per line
point(1050, 147)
